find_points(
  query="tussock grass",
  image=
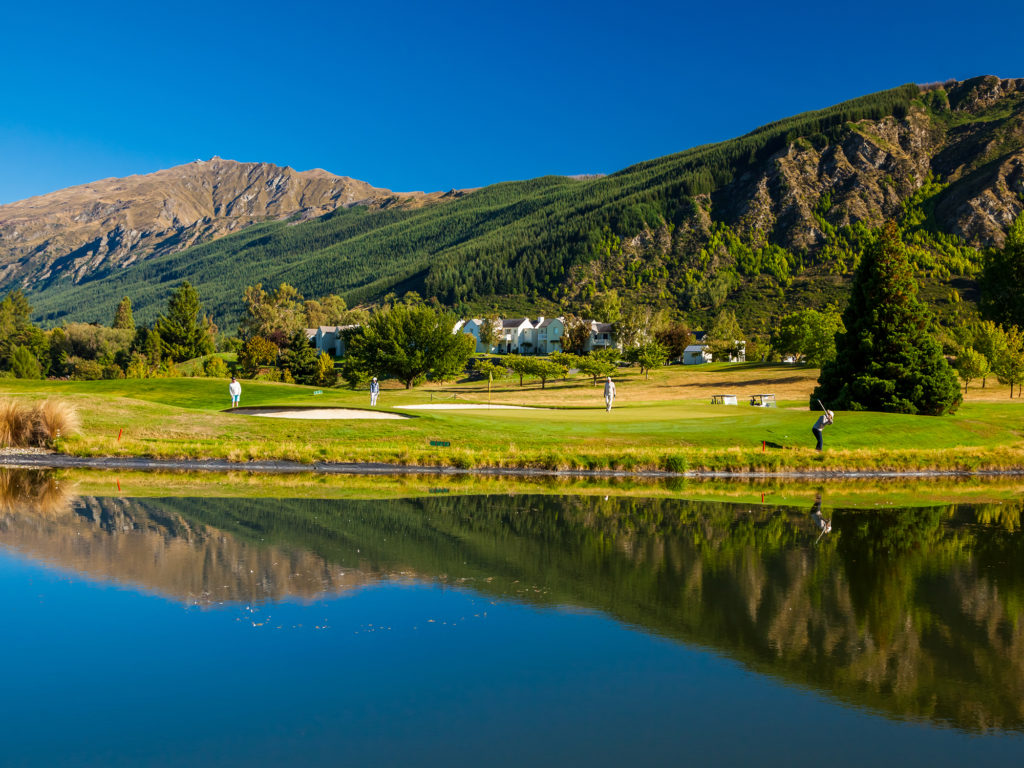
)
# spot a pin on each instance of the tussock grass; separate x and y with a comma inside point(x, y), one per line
point(25, 425)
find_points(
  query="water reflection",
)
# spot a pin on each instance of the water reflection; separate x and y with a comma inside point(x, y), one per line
point(913, 612)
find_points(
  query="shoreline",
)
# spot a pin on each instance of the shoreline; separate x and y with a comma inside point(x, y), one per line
point(30, 459)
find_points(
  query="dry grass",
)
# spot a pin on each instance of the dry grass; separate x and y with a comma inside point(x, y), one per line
point(25, 426)
point(57, 418)
point(17, 425)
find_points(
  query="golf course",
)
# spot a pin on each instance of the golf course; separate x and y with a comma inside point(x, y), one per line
point(662, 423)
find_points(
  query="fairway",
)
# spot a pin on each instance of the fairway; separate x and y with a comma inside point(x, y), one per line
point(666, 422)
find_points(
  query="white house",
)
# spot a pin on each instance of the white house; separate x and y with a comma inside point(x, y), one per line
point(700, 352)
point(696, 354)
point(515, 335)
point(547, 335)
point(601, 336)
point(329, 338)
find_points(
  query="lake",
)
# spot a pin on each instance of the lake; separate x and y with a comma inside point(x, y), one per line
point(506, 629)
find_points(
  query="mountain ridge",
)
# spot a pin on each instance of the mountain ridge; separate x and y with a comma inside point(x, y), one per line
point(115, 222)
point(784, 210)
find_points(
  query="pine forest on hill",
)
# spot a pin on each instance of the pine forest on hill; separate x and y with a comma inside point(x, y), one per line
point(767, 223)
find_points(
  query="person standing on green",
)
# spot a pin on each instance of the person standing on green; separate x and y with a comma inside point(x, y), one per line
point(235, 390)
point(609, 393)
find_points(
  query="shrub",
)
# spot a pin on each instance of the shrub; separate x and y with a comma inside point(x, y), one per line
point(86, 370)
point(24, 364)
point(216, 368)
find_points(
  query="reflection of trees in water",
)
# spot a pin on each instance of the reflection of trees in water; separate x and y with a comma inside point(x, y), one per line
point(914, 612)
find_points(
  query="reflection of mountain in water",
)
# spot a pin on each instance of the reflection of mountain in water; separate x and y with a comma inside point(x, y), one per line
point(138, 543)
point(916, 613)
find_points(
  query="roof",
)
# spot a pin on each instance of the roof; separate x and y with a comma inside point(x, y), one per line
point(547, 321)
point(602, 327)
point(699, 335)
point(311, 333)
point(514, 322)
point(696, 348)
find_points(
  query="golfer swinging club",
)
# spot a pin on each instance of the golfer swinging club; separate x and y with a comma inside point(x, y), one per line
point(823, 421)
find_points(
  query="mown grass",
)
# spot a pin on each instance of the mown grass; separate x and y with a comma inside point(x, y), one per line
point(665, 423)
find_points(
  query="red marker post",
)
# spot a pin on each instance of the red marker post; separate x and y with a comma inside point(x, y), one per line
point(119, 434)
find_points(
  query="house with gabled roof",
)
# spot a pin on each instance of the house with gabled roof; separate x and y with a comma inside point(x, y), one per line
point(329, 338)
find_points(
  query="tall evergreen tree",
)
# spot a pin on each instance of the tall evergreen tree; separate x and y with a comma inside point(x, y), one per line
point(123, 317)
point(184, 331)
point(888, 359)
point(1002, 281)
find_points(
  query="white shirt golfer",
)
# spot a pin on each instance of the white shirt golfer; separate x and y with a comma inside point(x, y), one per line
point(235, 390)
point(609, 393)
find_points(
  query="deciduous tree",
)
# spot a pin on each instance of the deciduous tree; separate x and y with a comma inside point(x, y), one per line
point(410, 344)
point(971, 365)
point(1009, 367)
point(809, 335)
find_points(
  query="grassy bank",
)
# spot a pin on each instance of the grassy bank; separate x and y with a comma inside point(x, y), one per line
point(664, 423)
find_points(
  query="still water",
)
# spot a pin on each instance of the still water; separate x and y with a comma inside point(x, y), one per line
point(506, 630)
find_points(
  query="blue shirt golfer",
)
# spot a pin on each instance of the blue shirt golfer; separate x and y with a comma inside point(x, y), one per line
point(374, 391)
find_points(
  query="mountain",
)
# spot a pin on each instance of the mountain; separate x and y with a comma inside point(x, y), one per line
point(765, 222)
point(85, 232)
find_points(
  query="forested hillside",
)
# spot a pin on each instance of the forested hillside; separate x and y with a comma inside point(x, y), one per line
point(768, 222)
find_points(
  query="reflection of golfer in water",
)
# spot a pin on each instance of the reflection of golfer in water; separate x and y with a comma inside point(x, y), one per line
point(824, 526)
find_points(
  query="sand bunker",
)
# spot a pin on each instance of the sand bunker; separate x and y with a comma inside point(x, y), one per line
point(316, 413)
point(468, 407)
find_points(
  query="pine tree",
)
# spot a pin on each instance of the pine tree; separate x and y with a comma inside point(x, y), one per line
point(888, 359)
point(1002, 282)
point(123, 317)
point(184, 331)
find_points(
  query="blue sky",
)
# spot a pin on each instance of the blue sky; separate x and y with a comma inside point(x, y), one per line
point(427, 96)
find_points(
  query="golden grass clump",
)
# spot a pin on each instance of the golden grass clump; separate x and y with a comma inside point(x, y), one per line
point(26, 426)
point(16, 425)
point(57, 418)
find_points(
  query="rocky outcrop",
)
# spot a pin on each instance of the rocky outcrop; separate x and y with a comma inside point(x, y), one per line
point(91, 229)
point(976, 146)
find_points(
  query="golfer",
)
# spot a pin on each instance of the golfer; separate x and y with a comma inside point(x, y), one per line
point(235, 390)
point(823, 421)
point(374, 390)
point(609, 393)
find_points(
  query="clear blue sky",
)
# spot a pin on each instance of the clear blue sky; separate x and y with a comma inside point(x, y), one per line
point(435, 95)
